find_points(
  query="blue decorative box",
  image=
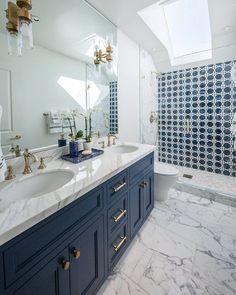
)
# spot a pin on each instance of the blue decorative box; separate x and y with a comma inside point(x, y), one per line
point(81, 158)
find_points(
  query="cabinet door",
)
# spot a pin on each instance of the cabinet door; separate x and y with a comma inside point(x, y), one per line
point(148, 193)
point(136, 208)
point(53, 279)
point(87, 259)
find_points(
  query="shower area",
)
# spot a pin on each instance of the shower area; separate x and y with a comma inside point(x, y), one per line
point(196, 107)
point(188, 114)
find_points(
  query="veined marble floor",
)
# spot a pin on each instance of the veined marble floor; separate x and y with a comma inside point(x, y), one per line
point(187, 246)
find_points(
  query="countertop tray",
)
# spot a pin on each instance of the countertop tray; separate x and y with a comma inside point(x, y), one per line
point(81, 158)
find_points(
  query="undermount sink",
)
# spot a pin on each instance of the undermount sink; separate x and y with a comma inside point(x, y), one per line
point(124, 149)
point(36, 186)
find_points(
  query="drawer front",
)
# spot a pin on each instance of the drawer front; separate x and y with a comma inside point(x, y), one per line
point(117, 214)
point(30, 250)
point(117, 186)
point(139, 169)
point(118, 244)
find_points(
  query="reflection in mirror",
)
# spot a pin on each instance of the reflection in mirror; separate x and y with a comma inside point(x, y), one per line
point(50, 90)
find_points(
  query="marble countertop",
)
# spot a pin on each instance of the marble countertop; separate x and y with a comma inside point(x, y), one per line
point(16, 217)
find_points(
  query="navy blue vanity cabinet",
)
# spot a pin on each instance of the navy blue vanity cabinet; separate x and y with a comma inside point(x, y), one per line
point(148, 193)
point(87, 259)
point(53, 279)
point(141, 192)
point(136, 207)
point(73, 251)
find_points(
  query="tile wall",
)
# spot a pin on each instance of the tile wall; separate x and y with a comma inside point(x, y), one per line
point(196, 108)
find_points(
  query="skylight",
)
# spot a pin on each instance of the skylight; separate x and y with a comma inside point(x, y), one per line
point(183, 27)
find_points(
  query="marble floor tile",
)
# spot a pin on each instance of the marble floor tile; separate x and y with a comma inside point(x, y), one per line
point(167, 244)
point(187, 246)
point(164, 277)
point(120, 284)
point(216, 271)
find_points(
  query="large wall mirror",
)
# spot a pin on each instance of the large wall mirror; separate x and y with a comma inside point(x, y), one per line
point(51, 88)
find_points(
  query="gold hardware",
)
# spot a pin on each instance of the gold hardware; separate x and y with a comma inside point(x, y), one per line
point(42, 164)
point(17, 137)
point(16, 150)
point(117, 247)
point(123, 213)
point(27, 156)
point(144, 184)
point(103, 57)
point(10, 173)
point(18, 11)
point(118, 188)
point(76, 254)
point(114, 140)
point(65, 264)
point(109, 139)
point(103, 144)
point(188, 125)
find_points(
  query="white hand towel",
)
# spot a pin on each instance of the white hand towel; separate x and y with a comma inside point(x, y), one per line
point(54, 122)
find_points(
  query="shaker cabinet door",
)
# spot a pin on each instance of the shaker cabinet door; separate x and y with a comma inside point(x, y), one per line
point(148, 193)
point(53, 279)
point(136, 208)
point(87, 259)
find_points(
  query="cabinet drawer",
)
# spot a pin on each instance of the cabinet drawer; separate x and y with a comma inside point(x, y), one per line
point(117, 214)
point(118, 244)
point(30, 248)
point(117, 186)
point(139, 169)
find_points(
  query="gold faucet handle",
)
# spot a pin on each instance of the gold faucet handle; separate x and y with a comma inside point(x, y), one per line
point(10, 173)
point(42, 164)
point(103, 144)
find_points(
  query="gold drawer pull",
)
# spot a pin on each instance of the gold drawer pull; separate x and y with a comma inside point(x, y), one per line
point(76, 254)
point(116, 219)
point(118, 188)
point(143, 184)
point(117, 247)
point(65, 265)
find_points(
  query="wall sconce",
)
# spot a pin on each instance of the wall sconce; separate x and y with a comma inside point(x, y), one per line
point(19, 26)
point(103, 57)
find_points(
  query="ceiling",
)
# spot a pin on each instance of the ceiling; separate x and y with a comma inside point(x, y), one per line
point(123, 13)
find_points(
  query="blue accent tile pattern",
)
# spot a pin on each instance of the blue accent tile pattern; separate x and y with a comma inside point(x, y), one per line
point(196, 109)
point(113, 108)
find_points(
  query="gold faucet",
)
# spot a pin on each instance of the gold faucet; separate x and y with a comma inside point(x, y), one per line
point(10, 173)
point(28, 156)
point(109, 136)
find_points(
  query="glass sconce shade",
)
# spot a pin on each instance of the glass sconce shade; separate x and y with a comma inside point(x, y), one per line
point(12, 42)
point(25, 35)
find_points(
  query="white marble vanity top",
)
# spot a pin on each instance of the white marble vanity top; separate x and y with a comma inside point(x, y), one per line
point(16, 217)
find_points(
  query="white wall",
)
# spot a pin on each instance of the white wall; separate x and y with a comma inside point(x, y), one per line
point(219, 54)
point(128, 89)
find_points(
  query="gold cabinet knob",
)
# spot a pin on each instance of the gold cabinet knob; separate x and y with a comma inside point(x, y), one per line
point(76, 254)
point(65, 264)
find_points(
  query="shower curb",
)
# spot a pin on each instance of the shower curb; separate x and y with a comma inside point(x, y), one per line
point(207, 193)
